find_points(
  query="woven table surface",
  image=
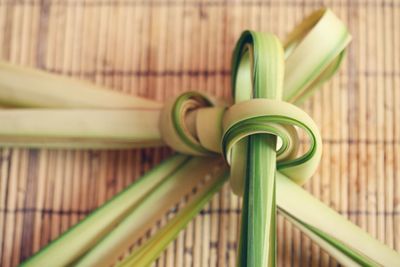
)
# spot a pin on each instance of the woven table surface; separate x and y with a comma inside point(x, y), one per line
point(158, 48)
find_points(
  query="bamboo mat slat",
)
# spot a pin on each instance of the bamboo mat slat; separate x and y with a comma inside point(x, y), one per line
point(159, 48)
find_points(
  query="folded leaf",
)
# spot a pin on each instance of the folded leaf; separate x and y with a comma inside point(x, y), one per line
point(314, 51)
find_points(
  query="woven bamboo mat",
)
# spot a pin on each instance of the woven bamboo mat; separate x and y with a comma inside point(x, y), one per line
point(157, 48)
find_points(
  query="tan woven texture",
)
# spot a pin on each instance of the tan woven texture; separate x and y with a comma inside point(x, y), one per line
point(158, 48)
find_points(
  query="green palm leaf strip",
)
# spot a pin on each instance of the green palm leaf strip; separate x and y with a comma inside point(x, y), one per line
point(151, 249)
point(264, 53)
point(101, 237)
point(32, 88)
point(342, 239)
point(51, 111)
point(73, 243)
point(149, 210)
point(80, 128)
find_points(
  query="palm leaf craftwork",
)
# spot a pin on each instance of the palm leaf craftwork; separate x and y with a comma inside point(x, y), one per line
point(256, 133)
